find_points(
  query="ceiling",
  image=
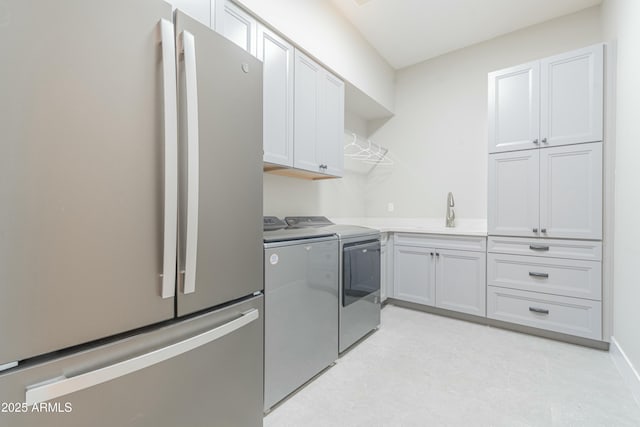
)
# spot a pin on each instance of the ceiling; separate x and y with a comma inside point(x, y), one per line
point(406, 32)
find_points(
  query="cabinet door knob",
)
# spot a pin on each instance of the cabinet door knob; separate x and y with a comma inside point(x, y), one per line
point(535, 230)
point(431, 253)
point(535, 141)
point(437, 254)
point(543, 230)
point(544, 140)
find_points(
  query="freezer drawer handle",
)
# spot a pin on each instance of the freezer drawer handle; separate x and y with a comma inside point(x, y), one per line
point(193, 161)
point(62, 386)
point(170, 159)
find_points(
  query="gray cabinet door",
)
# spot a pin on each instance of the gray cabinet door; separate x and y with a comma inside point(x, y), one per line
point(81, 172)
point(221, 230)
point(307, 93)
point(461, 281)
point(414, 274)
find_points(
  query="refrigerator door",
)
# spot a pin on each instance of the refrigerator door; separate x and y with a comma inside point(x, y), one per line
point(220, 134)
point(202, 372)
point(84, 132)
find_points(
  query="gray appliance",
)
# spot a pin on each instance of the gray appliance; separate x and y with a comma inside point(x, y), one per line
point(359, 275)
point(130, 271)
point(301, 307)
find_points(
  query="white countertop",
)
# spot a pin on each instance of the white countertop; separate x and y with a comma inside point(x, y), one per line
point(464, 226)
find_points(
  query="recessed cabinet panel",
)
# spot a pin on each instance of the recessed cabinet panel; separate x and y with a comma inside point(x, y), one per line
point(514, 108)
point(414, 274)
point(200, 10)
point(460, 278)
point(236, 25)
point(307, 104)
point(277, 60)
point(513, 193)
point(574, 316)
point(332, 125)
point(571, 97)
point(571, 191)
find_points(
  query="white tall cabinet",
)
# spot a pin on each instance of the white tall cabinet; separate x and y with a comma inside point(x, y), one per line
point(550, 102)
point(545, 193)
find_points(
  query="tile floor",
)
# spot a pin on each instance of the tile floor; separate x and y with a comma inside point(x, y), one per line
point(421, 370)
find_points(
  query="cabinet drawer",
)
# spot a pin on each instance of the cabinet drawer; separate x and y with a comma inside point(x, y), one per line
point(571, 316)
point(463, 243)
point(572, 278)
point(572, 249)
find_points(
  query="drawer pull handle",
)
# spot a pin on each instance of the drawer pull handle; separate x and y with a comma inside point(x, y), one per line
point(539, 310)
point(538, 248)
point(543, 275)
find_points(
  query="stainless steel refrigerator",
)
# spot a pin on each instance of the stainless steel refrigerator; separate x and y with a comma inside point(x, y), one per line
point(130, 218)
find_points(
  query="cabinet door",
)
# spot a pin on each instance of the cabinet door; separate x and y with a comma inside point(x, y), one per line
point(200, 10)
point(513, 193)
point(571, 191)
point(235, 24)
point(331, 141)
point(307, 82)
point(460, 281)
point(277, 59)
point(571, 97)
point(514, 108)
point(414, 274)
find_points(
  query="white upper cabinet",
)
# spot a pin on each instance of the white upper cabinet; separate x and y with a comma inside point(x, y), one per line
point(318, 118)
point(554, 101)
point(276, 55)
point(571, 191)
point(199, 10)
point(308, 78)
point(514, 108)
point(571, 97)
point(513, 193)
point(235, 24)
point(330, 150)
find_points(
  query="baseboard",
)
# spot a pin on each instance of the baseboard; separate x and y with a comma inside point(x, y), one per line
point(626, 368)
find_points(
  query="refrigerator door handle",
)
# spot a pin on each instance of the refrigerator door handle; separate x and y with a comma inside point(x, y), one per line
point(170, 159)
point(63, 386)
point(193, 161)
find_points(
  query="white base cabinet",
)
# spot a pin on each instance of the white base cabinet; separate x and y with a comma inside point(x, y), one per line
point(548, 284)
point(441, 271)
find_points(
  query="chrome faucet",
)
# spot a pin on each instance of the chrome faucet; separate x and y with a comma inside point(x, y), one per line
point(451, 215)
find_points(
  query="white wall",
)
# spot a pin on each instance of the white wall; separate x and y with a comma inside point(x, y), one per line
point(621, 20)
point(317, 27)
point(438, 135)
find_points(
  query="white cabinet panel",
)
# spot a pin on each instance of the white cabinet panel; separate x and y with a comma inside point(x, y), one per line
point(318, 130)
point(460, 281)
point(383, 272)
point(331, 127)
point(414, 274)
point(513, 193)
point(276, 55)
point(514, 108)
point(552, 248)
point(571, 97)
point(571, 191)
point(307, 104)
point(573, 278)
point(200, 10)
point(235, 24)
point(572, 316)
